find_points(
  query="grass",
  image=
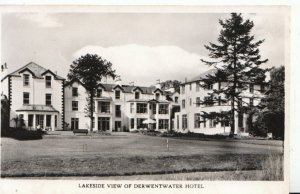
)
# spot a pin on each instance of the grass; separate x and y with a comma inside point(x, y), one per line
point(134, 155)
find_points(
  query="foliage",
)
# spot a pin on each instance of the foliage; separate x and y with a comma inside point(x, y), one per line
point(171, 84)
point(4, 114)
point(89, 70)
point(236, 61)
point(272, 118)
point(22, 134)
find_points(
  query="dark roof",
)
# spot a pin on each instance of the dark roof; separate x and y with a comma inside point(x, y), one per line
point(37, 71)
point(148, 101)
point(39, 108)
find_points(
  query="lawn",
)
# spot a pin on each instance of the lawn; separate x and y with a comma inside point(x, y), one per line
point(127, 154)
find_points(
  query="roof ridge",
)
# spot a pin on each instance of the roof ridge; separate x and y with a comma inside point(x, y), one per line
point(25, 66)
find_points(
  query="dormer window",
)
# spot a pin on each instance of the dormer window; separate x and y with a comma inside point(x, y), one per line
point(157, 96)
point(117, 94)
point(26, 80)
point(137, 95)
point(48, 81)
point(99, 93)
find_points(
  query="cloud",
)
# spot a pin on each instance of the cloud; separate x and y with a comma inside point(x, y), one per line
point(41, 19)
point(145, 64)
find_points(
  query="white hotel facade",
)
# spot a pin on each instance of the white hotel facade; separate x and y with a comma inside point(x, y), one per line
point(45, 100)
point(192, 94)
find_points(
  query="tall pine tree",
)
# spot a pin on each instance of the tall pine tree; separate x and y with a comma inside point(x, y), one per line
point(237, 61)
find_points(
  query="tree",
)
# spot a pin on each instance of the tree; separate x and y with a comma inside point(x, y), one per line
point(272, 118)
point(90, 69)
point(237, 62)
point(171, 84)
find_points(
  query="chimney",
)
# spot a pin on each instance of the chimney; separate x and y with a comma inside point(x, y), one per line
point(4, 70)
point(158, 85)
point(131, 83)
point(185, 79)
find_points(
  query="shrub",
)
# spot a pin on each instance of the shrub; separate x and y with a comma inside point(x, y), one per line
point(269, 122)
point(23, 134)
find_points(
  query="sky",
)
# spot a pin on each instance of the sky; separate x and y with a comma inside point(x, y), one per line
point(143, 47)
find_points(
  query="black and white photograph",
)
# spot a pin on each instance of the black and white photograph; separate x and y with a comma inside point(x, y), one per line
point(145, 95)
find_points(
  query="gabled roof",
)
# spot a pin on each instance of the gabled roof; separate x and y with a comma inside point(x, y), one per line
point(158, 89)
point(35, 69)
point(118, 86)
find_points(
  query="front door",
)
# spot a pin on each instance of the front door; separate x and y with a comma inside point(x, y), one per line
point(117, 125)
point(103, 123)
point(40, 121)
point(74, 123)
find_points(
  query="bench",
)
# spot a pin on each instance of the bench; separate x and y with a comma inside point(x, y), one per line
point(80, 131)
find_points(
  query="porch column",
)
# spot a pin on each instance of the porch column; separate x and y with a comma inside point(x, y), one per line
point(52, 122)
point(44, 121)
point(34, 121)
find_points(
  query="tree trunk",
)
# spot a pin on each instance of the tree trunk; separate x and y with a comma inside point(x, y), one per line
point(91, 110)
point(232, 128)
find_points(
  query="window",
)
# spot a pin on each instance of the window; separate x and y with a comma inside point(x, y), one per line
point(131, 123)
point(219, 101)
point(132, 107)
point(25, 97)
point(55, 121)
point(74, 105)
point(163, 109)
point(204, 122)
point(157, 96)
point(48, 81)
point(26, 80)
point(212, 123)
point(197, 120)
point(190, 101)
point(163, 124)
point(198, 102)
point(176, 99)
point(209, 86)
point(177, 121)
point(183, 103)
point(48, 99)
point(104, 107)
point(117, 94)
point(137, 95)
point(220, 84)
point(184, 122)
point(139, 123)
point(262, 88)
point(153, 108)
point(208, 101)
point(197, 86)
point(98, 93)
point(251, 102)
point(183, 89)
point(251, 88)
point(225, 123)
point(30, 120)
point(141, 108)
point(74, 91)
point(118, 110)
point(48, 120)
point(190, 86)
